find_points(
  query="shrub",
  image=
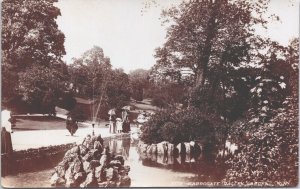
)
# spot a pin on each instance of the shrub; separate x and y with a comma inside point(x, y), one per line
point(180, 126)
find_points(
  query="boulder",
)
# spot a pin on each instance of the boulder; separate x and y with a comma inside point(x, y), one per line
point(98, 146)
point(60, 171)
point(88, 156)
point(120, 158)
point(83, 150)
point(109, 174)
point(90, 167)
point(187, 147)
point(90, 181)
point(60, 182)
point(181, 148)
point(98, 173)
point(95, 163)
point(170, 149)
point(115, 163)
point(96, 154)
point(103, 160)
point(103, 184)
point(125, 181)
point(162, 148)
point(79, 177)
point(77, 166)
point(53, 179)
point(87, 167)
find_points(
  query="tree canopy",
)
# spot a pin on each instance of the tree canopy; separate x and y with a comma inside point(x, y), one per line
point(31, 41)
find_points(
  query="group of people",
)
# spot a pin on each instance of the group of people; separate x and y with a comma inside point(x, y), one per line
point(116, 125)
point(119, 125)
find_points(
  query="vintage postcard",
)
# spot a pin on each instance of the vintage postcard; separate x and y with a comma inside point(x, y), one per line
point(149, 93)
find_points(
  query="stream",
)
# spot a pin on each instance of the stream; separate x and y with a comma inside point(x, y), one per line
point(145, 170)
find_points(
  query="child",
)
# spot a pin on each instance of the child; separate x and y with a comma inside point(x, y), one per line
point(119, 125)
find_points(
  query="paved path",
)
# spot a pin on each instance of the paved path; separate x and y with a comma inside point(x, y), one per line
point(23, 140)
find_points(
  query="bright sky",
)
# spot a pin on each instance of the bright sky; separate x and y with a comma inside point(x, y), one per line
point(129, 35)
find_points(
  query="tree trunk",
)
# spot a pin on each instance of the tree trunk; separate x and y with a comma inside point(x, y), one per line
point(211, 32)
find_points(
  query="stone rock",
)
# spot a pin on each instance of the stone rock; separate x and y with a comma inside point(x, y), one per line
point(125, 181)
point(110, 174)
point(103, 184)
point(181, 148)
point(69, 173)
point(90, 181)
point(98, 146)
point(53, 179)
point(98, 173)
point(95, 154)
point(187, 148)
point(144, 148)
point(60, 171)
point(111, 184)
point(70, 182)
point(87, 166)
point(170, 149)
point(152, 149)
point(77, 166)
point(87, 157)
point(127, 168)
point(115, 163)
point(60, 182)
point(75, 150)
point(103, 160)
point(120, 158)
point(162, 148)
point(79, 177)
point(94, 163)
point(83, 150)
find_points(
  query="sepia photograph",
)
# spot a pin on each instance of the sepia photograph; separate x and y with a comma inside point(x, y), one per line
point(149, 93)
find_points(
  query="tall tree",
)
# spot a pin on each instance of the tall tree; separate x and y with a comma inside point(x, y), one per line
point(30, 37)
point(139, 81)
point(211, 38)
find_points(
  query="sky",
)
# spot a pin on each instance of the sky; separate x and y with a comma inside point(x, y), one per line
point(129, 33)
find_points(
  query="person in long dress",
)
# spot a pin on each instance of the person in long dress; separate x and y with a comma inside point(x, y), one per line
point(112, 124)
point(71, 125)
point(125, 120)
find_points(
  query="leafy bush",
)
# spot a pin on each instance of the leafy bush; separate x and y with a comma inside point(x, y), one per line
point(79, 114)
point(159, 102)
point(180, 126)
point(270, 155)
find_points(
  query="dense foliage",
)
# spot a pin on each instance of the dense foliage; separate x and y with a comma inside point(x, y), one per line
point(32, 48)
point(92, 77)
point(251, 83)
point(180, 126)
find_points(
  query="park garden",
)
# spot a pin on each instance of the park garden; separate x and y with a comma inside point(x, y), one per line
point(215, 84)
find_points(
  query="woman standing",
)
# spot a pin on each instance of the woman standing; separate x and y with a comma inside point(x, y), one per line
point(112, 121)
point(125, 120)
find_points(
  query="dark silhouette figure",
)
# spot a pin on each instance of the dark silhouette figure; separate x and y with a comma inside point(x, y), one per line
point(71, 125)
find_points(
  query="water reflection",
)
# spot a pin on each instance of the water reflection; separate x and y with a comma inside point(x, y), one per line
point(146, 169)
point(197, 163)
point(120, 146)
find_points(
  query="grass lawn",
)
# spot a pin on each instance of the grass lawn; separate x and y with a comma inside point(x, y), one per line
point(39, 123)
